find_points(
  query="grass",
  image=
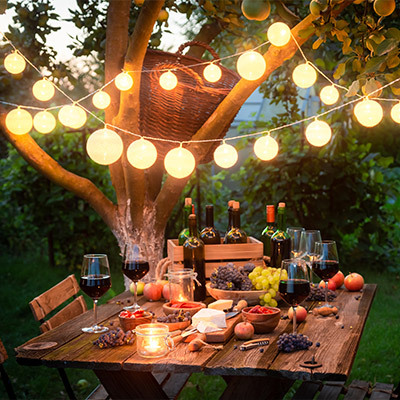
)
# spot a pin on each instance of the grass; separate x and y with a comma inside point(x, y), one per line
point(23, 278)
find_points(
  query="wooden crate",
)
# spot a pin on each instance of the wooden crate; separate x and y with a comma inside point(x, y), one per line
point(220, 254)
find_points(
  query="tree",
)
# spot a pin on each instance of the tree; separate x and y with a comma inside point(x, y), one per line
point(145, 199)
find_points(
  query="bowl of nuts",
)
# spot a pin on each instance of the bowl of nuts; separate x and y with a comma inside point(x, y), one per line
point(179, 319)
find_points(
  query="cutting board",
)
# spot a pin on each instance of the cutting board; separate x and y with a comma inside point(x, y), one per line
point(225, 334)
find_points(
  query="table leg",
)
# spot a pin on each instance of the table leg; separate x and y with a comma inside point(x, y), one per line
point(255, 387)
point(130, 385)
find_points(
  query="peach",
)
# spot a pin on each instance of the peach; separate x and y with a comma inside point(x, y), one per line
point(354, 282)
point(244, 330)
point(152, 291)
point(301, 313)
point(331, 284)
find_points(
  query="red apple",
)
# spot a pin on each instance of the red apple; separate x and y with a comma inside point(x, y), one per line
point(354, 282)
point(338, 279)
point(331, 284)
point(152, 291)
point(301, 313)
point(244, 330)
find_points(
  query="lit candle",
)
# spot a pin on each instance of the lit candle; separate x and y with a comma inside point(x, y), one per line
point(153, 345)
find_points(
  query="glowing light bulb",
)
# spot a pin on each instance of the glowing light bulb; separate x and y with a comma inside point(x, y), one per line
point(104, 146)
point(251, 65)
point(14, 63)
point(329, 95)
point(43, 90)
point(72, 116)
point(225, 155)
point(278, 34)
point(101, 100)
point(318, 133)
point(123, 81)
point(141, 154)
point(266, 148)
point(212, 73)
point(368, 113)
point(395, 113)
point(19, 121)
point(304, 75)
point(44, 122)
point(168, 80)
point(179, 162)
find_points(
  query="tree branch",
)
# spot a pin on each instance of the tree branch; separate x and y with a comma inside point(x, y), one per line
point(207, 34)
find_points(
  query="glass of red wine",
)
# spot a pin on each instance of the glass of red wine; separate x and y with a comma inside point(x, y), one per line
point(326, 263)
point(135, 266)
point(95, 281)
point(294, 284)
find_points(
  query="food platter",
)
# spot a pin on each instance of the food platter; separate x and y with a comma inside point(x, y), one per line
point(251, 296)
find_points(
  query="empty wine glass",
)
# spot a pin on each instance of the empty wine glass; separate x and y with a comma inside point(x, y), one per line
point(295, 235)
point(326, 263)
point(95, 281)
point(135, 266)
point(307, 245)
point(294, 284)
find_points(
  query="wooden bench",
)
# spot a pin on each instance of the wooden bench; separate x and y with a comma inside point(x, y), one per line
point(4, 376)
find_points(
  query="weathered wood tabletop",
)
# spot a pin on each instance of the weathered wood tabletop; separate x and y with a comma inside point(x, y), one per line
point(127, 375)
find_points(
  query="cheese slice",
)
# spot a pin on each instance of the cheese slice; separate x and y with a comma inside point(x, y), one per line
point(221, 305)
point(206, 315)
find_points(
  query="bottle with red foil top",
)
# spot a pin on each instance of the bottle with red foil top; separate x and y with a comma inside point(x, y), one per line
point(269, 230)
point(280, 240)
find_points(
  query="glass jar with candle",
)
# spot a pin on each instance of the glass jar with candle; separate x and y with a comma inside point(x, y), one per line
point(181, 284)
point(153, 340)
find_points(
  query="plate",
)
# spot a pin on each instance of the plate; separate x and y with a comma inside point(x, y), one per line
point(251, 296)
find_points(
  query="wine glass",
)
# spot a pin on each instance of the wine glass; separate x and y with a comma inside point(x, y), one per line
point(95, 281)
point(326, 263)
point(294, 284)
point(307, 245)
point(295, 235)
point(135, 266)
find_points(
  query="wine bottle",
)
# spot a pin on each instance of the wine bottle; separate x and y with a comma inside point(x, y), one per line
point(280, 240)
point(229, 227)
point(269, 230)
point(193, 258)
point(235, 235)
point(187, 209)
point(209, 235)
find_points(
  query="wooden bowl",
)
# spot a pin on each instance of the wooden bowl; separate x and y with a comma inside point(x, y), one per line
point(127, 324)
point(262, 323)
point(174, 326)
point(251, 296)
point(169, 310)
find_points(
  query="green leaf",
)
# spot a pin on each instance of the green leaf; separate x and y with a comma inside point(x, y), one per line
point(373, 64)
point(353, 89)
point(317, 43)
point(340, 70)
point(393, 33)
point(386, 46)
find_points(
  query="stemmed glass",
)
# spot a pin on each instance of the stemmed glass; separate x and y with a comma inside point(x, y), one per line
point(295, 235)
point(95, 281)
point(135, 266)
point(307, 245)
point(326, 263)
point(294, 284)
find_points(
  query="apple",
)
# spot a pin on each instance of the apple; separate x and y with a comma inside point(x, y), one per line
point(139, 286)
point(338, 279)
point(152, 291)
point(354, 282)
point(331, 284)
point(301, 313)
point(244, 330)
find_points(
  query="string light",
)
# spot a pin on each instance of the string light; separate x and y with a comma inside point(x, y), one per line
point(168, 80)
point(225, 155)
point(179, 162)
point(278, 34)
point(266, 148)
point(304, 75)
point(251, 65)
point(14, 63)
point(44, 122)
point(43, 90)
point(72, 116)
point(104, 146)
point(19, 121)
point(318, 133)
point(101, 100)
point(141, 154)
point(395, 113)
point(329, 95)
point(212, 73)
point(368, 113)
point(123, 81)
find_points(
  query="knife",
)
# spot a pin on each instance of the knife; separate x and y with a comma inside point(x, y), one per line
point(237, 309)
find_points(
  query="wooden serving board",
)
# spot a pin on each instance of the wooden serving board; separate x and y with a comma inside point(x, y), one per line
point(225, 334)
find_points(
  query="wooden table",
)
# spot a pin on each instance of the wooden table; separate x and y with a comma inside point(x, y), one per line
point(251, 373)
